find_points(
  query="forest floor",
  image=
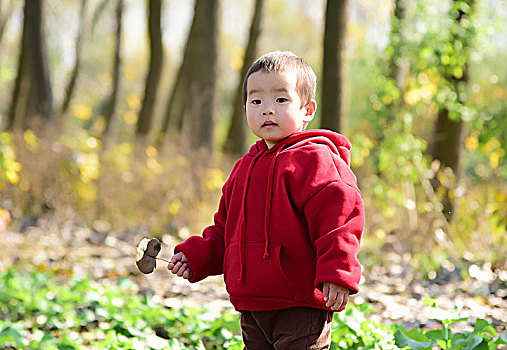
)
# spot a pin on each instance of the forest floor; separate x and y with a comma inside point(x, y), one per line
point(70, 249)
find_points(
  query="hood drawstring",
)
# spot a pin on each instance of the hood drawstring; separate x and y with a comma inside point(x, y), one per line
point(267, 212)
point(269, 192)
point(243, 217)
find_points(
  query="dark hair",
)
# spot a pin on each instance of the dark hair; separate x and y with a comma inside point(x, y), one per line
point(286, 61)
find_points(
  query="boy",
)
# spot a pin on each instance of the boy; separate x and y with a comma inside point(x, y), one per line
point(290, 219)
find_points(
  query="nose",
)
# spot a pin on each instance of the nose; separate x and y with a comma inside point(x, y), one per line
point(268, 110)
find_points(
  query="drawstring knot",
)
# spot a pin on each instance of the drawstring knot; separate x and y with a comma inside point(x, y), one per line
point(265, 256)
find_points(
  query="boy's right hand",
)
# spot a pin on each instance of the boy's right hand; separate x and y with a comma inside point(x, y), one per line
point(179, 266)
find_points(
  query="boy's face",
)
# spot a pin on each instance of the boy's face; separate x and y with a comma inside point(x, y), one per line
point(273, 107)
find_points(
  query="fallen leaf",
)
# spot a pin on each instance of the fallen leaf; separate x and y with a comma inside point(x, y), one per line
point(146, 255)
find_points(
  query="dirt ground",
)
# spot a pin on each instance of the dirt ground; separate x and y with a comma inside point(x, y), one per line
point(72, 249)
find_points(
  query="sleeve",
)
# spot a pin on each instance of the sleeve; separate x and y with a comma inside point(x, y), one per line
point(205, 253)
point(335, 216)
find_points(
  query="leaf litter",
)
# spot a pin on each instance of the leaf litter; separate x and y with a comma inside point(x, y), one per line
point(396, 291)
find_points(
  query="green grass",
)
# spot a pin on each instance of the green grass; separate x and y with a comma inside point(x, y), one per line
point(40, 311)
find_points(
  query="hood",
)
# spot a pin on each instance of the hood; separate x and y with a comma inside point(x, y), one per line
point(337, 143)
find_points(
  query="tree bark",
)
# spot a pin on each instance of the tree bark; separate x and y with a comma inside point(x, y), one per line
point(236, 137)
point(333, 74)
point(190, 110)
point(448, 135)
point(111, 103)
point(69, 91)
point(156, 58)
point(399, 65)
point(32, 94)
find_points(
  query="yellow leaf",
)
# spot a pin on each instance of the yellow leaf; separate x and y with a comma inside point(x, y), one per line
point(214, 179)
point(83, 112)
point(428, 90)
point(151, 151)
point(471, 143)
point(154, 165)
point(130, 117)
point(31, 140)
point(412, 96)
point(389, 212)
point(236, 62)
point(133, 100)
point(174, 207)
point(380, 234)
point(494, 160)
point(12, 176)
point(87, 191)
point(92, 142)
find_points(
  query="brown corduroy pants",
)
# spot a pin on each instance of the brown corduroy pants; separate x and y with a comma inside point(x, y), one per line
point(297, 328)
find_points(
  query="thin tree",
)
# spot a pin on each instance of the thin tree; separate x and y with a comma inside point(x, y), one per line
point(190, 109)
point(448, 134)
point(399, 64)
point(69, 91)
point(236, 136)
point(111, 103)
point(333, 73)
point(32, 95)
point(156, 59)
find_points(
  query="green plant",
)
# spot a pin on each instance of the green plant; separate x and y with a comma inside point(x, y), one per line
point(483, 337)
point(81, 313)
point(352, 330)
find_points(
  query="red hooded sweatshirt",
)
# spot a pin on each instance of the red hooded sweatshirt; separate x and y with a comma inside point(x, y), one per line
point(290, 218)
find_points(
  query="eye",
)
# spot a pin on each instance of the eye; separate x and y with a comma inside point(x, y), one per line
point(256, 102)
point(281, 100)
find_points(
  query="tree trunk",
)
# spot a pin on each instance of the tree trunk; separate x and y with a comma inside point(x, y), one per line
point(236, 137)
point(399, 64)
point(111, 103)
point(32, 95)
point(333, 76)
point(448, 135)
point(190, 109)
point(156, 58)
point(69, 91)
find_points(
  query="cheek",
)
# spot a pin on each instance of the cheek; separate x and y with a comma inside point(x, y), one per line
point(250, 118)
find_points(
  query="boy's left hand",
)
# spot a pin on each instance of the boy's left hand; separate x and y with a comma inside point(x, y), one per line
point(337, 297)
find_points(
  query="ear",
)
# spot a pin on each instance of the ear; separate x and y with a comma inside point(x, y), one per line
point(310, 109)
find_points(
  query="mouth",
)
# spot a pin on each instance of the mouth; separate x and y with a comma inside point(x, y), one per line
point(269, 124)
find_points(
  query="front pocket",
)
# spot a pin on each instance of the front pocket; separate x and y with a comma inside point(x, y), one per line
point(261, 277)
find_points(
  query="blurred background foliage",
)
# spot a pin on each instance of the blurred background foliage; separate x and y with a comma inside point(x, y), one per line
point(404, 64)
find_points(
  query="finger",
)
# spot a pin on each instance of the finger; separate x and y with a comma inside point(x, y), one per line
point(176, 257)
point(182, 270)
point(325, 291)
point(345, 302)
point(186, 274)
point(176, 267)
point(338, 302)
point(332, 298)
